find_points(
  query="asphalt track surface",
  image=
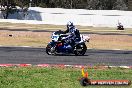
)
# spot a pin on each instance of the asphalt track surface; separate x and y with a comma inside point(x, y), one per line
point(28, 55)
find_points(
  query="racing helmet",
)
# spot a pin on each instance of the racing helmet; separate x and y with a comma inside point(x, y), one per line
point(70, 25)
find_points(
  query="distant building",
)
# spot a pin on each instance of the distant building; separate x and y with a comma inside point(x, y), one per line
point(130, 5)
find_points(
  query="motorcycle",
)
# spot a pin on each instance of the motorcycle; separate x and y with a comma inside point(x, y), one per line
point(58, 45)
point(120, 27)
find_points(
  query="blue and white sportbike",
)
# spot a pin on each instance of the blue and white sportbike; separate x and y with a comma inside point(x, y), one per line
point(59, 45)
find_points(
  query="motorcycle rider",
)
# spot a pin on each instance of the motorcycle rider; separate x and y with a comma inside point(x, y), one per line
point(74, 34)
point(120, 26)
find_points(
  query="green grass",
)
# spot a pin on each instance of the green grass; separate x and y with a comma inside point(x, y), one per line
point(38, 77)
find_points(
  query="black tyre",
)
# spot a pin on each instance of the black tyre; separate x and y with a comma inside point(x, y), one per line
point(80, 49)
point(50, 50)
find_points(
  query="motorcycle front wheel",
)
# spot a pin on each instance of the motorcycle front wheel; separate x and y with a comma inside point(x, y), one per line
point(80, 49)
point(50, 50)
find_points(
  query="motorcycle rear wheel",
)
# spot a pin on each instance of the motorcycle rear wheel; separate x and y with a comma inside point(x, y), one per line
point(80, 49)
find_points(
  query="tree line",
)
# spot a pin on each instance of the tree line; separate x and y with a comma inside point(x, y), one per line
point(10, 6)
point(71, 4)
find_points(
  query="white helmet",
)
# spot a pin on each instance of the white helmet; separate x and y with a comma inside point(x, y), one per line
point(70, 25)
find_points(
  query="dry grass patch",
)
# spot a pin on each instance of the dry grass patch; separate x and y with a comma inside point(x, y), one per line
point(7, 25)
point(41, 39)
point(111, 42)
point(36, 39)
point(18, 26)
